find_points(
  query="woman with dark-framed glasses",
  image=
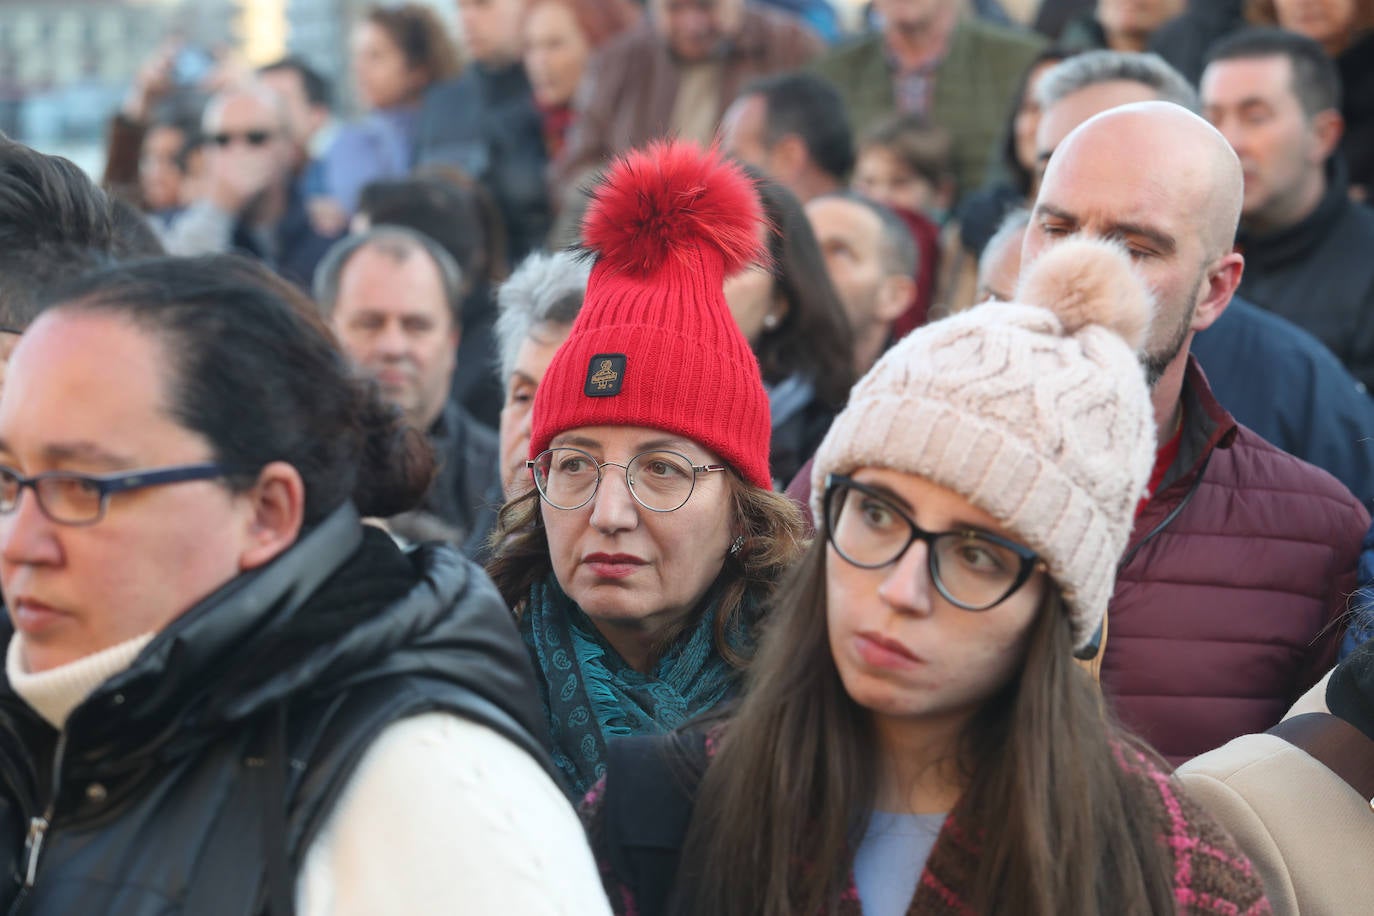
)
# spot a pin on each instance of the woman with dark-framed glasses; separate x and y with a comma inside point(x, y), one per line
point(915, 735)
point(223, 693)
point(640, 561)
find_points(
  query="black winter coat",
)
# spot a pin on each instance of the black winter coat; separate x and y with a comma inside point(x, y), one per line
point(1319, 275)
point(1281, 382)
point(195, 781)
point(486, 123)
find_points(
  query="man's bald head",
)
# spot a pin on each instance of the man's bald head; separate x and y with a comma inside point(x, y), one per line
point(1165, 183)
point(1149, 135)
point(1063, 117)
point(1087, 84)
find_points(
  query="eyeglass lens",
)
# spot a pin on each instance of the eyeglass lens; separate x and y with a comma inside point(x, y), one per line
point(969, 569)
point(568, 478)
point(73, 500)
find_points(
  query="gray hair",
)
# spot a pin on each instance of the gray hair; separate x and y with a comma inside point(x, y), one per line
point(1013, 224)
point(1011, 228)
point(545, 288)
point(399, 243)
point(1096, 67)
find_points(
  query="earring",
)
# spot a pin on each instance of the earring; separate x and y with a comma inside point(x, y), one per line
point(770, 321)
point(736, 544)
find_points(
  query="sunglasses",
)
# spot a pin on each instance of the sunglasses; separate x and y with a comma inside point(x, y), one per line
point(251, 137)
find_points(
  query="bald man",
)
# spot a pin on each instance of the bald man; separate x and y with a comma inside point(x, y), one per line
point(1272, 376)
point(1229, 598)
point(1178, 222)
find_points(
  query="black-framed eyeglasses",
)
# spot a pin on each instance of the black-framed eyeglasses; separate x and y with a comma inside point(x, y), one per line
point(971, 569)
point(69, 498)
point(659, 480)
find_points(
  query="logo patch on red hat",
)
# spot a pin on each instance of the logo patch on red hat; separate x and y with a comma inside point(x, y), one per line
point(605, 375)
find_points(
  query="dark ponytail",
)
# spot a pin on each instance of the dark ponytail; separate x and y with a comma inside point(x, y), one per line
point(253, 368)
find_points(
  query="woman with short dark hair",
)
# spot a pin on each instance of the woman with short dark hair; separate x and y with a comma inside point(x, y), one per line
point(222, 691)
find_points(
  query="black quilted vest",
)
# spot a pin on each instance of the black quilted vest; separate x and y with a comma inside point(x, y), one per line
point(195, 781)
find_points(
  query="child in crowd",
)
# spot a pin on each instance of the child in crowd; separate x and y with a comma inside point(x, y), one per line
point(905, 164)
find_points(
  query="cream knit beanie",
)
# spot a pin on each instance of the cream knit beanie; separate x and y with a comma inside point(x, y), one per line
point(1035, 411)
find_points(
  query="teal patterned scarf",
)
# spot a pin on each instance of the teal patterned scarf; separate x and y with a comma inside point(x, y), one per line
point(591, 695)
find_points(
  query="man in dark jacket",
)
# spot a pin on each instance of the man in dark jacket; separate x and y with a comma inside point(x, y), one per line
point(1230, 597)
point(230, 701)
point(485, 122)
point(394, 299)
point(1275, 95)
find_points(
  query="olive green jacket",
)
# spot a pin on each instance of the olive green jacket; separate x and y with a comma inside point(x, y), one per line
point(972, 99)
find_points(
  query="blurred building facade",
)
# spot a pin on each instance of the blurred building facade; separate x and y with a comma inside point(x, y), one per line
point(66, 64)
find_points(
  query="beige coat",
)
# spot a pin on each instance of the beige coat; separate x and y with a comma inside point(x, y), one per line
point(1309, 834)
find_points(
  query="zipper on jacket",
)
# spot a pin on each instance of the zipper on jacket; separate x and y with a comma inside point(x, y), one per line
point(38, 826)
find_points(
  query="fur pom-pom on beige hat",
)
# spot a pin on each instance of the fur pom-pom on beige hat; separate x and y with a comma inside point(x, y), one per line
point(1036, 411)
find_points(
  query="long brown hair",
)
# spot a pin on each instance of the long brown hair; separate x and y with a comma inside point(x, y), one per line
point(786, 799)
point(771, 525)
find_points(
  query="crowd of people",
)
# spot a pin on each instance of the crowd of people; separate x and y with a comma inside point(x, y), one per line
point(676, 458)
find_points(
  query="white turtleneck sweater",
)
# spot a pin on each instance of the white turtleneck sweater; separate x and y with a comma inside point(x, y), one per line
point(441, 816)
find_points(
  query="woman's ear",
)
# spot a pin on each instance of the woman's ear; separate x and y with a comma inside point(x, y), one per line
point(276, 505)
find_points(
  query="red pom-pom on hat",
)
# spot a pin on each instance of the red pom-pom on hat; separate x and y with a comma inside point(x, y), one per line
point(655, 344)
point(669, 200)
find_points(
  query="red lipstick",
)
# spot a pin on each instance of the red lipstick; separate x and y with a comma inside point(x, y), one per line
point(612, 565)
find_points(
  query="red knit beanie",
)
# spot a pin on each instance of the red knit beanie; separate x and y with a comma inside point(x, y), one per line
point(654, 344)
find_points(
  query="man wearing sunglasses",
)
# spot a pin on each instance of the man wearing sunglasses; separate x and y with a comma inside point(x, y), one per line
point(251, 202)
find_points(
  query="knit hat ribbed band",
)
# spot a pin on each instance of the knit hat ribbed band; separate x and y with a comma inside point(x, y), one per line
point(1039, 416)
point(655, 344)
